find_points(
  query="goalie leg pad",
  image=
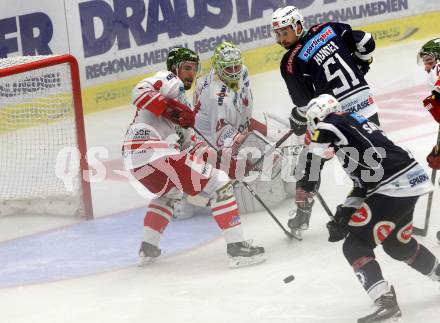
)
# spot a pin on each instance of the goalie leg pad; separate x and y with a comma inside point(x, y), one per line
point(271, 192)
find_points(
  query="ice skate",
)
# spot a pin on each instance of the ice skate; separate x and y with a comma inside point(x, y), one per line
point(298, 223)
point(388, 309)
point(435, 274)
point(243, 254)
point(148, 253)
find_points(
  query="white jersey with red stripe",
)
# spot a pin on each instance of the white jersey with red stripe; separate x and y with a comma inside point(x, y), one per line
point(434, 77)
point(150, 136)
point(221, 112)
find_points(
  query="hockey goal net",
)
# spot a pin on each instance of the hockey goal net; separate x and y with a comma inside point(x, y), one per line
point(41, 116)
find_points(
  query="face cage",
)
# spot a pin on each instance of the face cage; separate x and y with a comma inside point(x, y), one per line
point(223, 74)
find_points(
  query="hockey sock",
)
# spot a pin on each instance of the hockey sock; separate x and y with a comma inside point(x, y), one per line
point(225, 212)
point(423, 260)
point(156, 220)
point(368, 272)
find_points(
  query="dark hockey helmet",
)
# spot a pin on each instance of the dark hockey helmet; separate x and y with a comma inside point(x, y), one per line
point(431, 48)
point(178, 55)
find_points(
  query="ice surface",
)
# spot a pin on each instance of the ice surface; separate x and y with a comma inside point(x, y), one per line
point(86, 272)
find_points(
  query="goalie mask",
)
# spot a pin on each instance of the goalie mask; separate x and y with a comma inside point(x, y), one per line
point(287, 16)
point(319, 108)
point(228, 64)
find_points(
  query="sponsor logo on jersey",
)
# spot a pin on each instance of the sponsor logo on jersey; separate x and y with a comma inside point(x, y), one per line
point(225, 134)
point(382, 230)
point(361, 217)
point(222, 94)
point(170, 76)
point(404, 234)
point(292, 58)
point(417, 177)
point(316, 42)
point(360, 106)
point(358, 117)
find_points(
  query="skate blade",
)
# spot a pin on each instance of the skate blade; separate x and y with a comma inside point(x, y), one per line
point(145, 261)
point(297, 234)
point(238, 262)
point(394, 319)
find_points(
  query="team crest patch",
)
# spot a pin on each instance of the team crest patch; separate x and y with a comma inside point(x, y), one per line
point(404, 234)
point(382, 230)
point(361, 217)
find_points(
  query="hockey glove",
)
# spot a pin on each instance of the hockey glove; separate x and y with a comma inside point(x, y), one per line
point(298, 122)
point(179, 113)
point(338, 227)
point(433, 158)
point(363, 66)
point(432, 104)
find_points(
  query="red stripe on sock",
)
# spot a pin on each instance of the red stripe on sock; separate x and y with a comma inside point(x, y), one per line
point(155, 221)
point(228, 220)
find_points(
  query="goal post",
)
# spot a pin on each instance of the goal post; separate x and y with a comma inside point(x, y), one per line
point(41, 114)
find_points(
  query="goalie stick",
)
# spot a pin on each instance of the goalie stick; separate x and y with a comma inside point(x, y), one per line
point(253, 193)
point(424, 231)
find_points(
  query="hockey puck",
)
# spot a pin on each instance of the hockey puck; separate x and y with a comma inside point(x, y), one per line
point(288, 279)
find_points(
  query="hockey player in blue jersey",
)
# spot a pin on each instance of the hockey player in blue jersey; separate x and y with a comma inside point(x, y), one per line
point(327, 58)
point(379, 210)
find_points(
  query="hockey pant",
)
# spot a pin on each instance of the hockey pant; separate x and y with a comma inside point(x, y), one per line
point(387, 221)
point(170, 176)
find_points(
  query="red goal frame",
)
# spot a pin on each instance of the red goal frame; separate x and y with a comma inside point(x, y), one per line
point(79, 116)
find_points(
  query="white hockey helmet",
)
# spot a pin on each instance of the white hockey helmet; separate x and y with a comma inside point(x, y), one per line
point(319, 108)
point(287, 16)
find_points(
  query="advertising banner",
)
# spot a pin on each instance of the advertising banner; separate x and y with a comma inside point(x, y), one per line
point(117, 42)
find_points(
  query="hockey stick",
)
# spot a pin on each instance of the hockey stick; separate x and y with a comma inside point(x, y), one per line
point(324, 205)
point(424, 231)
point(250, 189)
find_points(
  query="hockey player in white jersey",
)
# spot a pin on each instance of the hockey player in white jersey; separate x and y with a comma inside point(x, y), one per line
point(429, 55)
point(223, 105)
point(157, 150)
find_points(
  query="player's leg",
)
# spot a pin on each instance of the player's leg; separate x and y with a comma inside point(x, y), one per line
point(305, 191)
point(225, 212)
point(368, 228)
point(159, 212)
point(401, 246)
point(198, 178)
